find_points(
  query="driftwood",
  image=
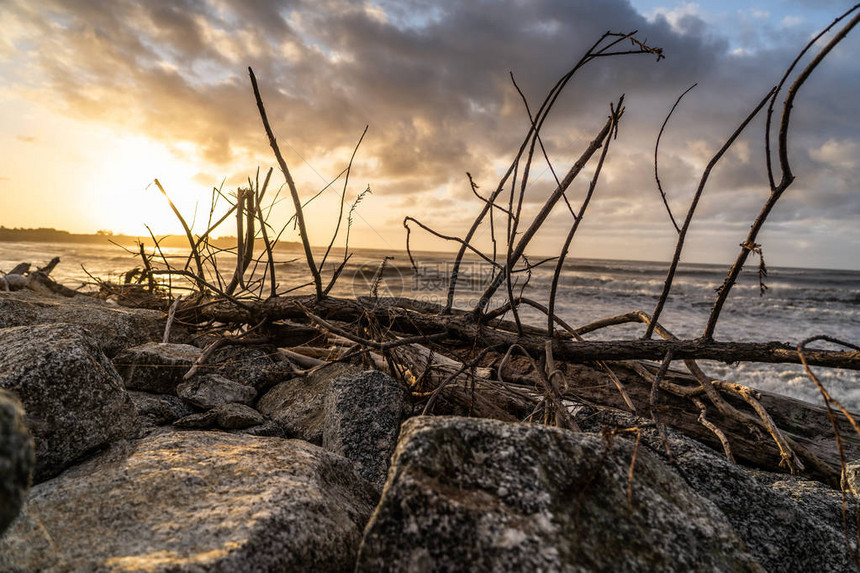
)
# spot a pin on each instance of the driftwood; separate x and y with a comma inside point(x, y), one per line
point(21, 277)
point(440, 368)
point(462, 327)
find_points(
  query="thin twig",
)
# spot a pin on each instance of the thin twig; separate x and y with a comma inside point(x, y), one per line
point(467, 366)
point(340, 210)
point(577, 219)
point(539, 219)
point(703, 412)
point(543, 112)
point(657, 148)
point(191, 241)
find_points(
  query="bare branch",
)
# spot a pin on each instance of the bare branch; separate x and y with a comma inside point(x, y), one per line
point(679, 246)
point(300, 218)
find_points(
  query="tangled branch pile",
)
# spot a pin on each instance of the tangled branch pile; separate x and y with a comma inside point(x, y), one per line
point(478, 362)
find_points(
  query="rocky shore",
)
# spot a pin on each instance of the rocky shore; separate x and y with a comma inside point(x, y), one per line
point(110, 460)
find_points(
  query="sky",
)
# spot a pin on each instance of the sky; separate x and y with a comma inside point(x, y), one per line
point(98, 99)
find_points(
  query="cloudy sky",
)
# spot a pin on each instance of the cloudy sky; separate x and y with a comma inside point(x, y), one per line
point(100, 98)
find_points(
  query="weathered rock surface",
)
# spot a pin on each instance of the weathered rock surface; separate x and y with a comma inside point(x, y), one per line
point(198, 420)
point(362, 419)
point(480, 495)
point(159, 409)
point(225, 416)
point(114, 328)
point(73, 396)
point(267, 428)
point(156, 367)
point(298, 404)
point(12, 282)
point(246, 365)
point(210, 390)
point(237, 416)
point(789, 523)
point(17, 458)
point(195, 501)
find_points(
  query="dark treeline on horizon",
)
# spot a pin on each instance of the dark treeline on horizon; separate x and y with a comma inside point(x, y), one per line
point(51, 235)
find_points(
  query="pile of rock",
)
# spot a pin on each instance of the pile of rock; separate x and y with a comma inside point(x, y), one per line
point(244, 467)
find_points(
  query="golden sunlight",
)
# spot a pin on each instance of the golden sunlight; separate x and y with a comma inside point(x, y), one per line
point(130, 200)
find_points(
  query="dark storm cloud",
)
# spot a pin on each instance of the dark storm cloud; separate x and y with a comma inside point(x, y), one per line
point(433, 85)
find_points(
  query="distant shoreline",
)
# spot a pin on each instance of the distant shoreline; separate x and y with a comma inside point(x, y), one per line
point(50, 235)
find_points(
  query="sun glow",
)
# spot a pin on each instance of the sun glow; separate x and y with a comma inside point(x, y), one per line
point(81, 176)
point(129, 198)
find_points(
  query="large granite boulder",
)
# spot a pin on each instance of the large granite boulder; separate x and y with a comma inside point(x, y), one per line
point(789, 523)
point(298, 404)
point(481, 495)
point(195, 501)
point(73, 396)
point(17, 458)
point(113, 327)
point(362, 419)
point(156, 367)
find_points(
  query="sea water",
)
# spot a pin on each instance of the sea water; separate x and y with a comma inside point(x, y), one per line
point(797, 304)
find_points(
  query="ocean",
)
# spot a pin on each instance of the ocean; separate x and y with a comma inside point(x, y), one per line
point(797, 304)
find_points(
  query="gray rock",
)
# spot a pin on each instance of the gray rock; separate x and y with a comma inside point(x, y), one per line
point(225, 416)
point(267, 428)
point(362, 420)
point(159, 409)
point(210, 390)
point(191, 502)
point(156, 367)
point(200, 420)
point(73, 396)
point(114, 328)
point(298, 405)
point(237, 416)
point(243, 364)
point(789, 523)
point(17, 458)
point(481, 495)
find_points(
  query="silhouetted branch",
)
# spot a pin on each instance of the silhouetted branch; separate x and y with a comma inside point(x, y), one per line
point(191, 242)
point(679, 246)
point(786, 180)
point(539, 219)
point(656, 149)
point(300, 218)
point(577, 219)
